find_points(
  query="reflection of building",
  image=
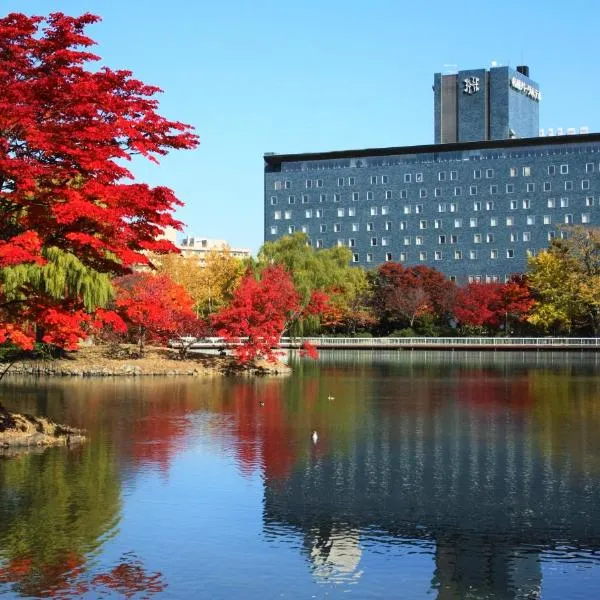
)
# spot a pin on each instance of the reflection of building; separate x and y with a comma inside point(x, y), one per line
point(334, 552)
point(199, 247)
point(470, 478)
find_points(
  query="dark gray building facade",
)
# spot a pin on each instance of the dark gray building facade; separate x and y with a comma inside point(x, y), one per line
point(480, 104)
point(474, 209)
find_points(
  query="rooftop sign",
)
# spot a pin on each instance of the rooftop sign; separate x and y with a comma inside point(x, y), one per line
point(526, 88)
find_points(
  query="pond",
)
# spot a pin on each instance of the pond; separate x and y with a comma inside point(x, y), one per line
point(431, 475)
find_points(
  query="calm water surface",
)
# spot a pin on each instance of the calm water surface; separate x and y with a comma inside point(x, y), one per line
point(434, 476)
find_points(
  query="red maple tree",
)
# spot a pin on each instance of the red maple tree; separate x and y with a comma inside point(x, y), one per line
point(154, 307)
point(261, 311)
point(65, 134)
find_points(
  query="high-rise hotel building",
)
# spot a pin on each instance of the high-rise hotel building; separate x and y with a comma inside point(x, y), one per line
point(474, 205)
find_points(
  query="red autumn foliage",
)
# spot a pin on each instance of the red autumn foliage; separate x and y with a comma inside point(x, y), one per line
point(406, 293)
point(153, 306)
point(260, 311)
point(65, 133)
point(491, 304)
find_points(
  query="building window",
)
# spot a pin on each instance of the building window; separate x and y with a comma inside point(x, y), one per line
point(373, 241)
point(273, 200)
point(351, 243)
point(442, 176)
point(388, 256)
point(531, 187)
point(437, 223)
point(319, 183)
point(526, 236)
point(355, 196)
point(589, 201)
point(369, 195)
point(419, 240)
point(526, 171)
point(322, 228)
point(373, 179)
point(407, 240)
point(441, 239)
point(355, 227)
point(355, 257)
point(493, 189)
point(273, 229)
point(437, 255)
point(318, 213)
point(547, 186)
point(388, 225)
point(403, 194)
point(351, 211)
point(374, 210)
point(442, 207)
point(287, 214)
point(384, 179)
point(477, 174)
point(337, 227)
point(510, 221)
point(351, 181)
point(422, 255)
point(513, 205)
point(493, 253)
point(319, 244)
point(437, 192)
point(323, 198)
point(530, 220)
point(385, 210)
point(564, 169)
point(419, 209)
point(510, 253)
point(388, 194)
point(510, 188)
point(569, 219)
point(514, 237)
point(489, 238)
point(493, 221)
point(340, 243)
point(422, 193)
point(564, 202)
point(585, 184)
point(489, 173)
point(551, 169)
point(403, 256)
point(308, 214)
point(551, 235)
point(458, 255)
point(370, 226)
point(407, 209)
point(407, 177)
point(589, 167)
point(418, 177)
point(473, 222)
point(457, 223)
point(340, 182)
point(423, 224)
point(291, 199)
point(277, 185)
point(568, 186)
point(477, 238)
point(551, 203)
point(403, 225)
point(291, 229)
point(369, 257)
point(457, 191)
point(547, 220)
point(385, 241)
point(337, 197)
point(308, 183)
point(489, 205)
point(453, 207)
point(526, 204)
point(453, 175)
point(476, 206)
point(513, 171)
point(473, 254)
point(341, 212)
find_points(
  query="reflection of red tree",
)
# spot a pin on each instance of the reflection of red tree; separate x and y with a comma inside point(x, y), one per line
point(489, 390)
point(66, 577)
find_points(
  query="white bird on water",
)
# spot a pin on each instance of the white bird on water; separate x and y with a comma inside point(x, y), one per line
point(315, 437)
point(330, 397)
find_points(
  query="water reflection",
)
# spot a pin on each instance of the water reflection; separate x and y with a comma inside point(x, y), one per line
point(486, 466)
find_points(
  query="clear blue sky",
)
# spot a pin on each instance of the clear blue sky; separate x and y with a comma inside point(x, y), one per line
point(264, 76)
